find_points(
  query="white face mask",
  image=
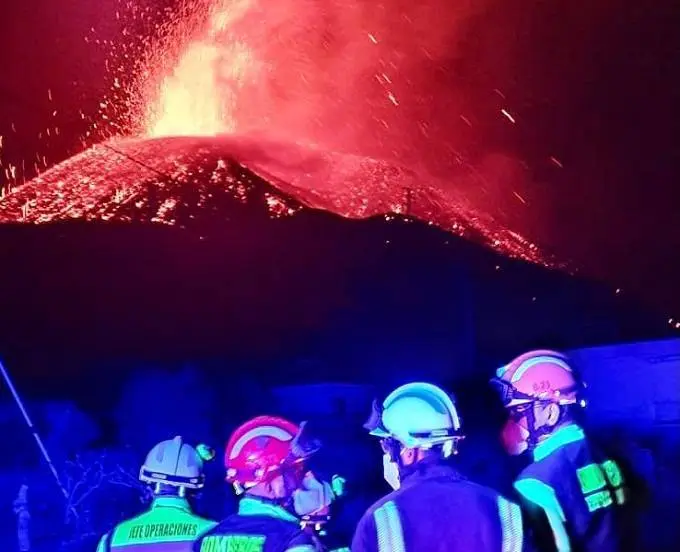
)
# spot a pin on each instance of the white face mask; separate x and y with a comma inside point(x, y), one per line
point(313, 496)
point(391, 472)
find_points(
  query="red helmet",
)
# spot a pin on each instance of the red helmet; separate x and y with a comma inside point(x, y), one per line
point(262, 448)
point(537, 376)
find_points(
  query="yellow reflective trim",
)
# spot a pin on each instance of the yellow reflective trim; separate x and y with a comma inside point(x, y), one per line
point(591, 478)
point(613, 473)
point(602, 499)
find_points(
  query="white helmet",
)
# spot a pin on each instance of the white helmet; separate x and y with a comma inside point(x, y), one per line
point(418, 415)
point(173, 463)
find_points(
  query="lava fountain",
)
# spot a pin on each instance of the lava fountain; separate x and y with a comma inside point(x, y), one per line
point(342, 74)
point(198, 96)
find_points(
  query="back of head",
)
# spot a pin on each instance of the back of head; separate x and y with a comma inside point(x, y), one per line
point(258, 452)
point(540, 390)
point(266, 459)
point(417, 415)
point(417, 424)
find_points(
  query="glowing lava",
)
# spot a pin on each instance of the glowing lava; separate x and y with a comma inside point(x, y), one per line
point(198, 97)
point(151, 180)
point(341, 74)
point(178, 113)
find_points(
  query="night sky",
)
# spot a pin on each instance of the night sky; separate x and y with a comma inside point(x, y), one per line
point(592, 88)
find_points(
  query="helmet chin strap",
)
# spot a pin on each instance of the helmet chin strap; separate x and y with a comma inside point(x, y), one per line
point(418, 464)
point(160, 489)
point(536, 434)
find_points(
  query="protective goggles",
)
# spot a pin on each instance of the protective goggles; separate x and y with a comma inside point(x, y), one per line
point(304, 444)
point(508, 393)
point(518, 411)
point(374, 423)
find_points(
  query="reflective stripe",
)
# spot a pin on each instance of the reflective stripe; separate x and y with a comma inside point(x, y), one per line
point(529, 363)
point(566, 435)
point(253, 507)
point(302, 548)
point(160, 546)
point(262, 431)
point(511, 525)
point(544, 496)
point(388, 527)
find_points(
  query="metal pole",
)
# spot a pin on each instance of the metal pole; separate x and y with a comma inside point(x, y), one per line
point(33, 430)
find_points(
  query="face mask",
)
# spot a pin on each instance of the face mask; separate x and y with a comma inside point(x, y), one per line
point(312, 497)
point(391, 472)
point(515, 437)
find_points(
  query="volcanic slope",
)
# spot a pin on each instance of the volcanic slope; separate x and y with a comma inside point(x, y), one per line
point(175, 180)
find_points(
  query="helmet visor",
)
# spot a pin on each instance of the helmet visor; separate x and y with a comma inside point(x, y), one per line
point(374, 424)
point(304, 444)
point(508, 393)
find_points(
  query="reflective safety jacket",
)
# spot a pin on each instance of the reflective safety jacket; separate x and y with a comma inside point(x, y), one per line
point(169, 526)
point(437, 510)
point(258, 527)
point(576, 490)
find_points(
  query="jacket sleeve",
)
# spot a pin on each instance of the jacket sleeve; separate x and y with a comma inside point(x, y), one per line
point(539, 496)
point(380, 530)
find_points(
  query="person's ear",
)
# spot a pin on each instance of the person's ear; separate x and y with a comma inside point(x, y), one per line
point(408, 456)
point(553, 414)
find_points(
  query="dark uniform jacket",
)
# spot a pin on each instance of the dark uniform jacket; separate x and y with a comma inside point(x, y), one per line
point(576, 491)
point(437, 510)
point(169, 526)
point(258, 527)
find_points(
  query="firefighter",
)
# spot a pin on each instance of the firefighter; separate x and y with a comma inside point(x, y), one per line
point(174, 469)
point(265, 460)
point(432, 507)
point(572, 492)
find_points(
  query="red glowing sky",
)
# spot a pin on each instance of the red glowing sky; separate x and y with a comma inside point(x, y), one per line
point(559, 113)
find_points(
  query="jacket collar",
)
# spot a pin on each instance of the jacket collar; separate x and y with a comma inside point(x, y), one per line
point(429, 470)
point(251, 506)
point(170, 502)
point(567, 434)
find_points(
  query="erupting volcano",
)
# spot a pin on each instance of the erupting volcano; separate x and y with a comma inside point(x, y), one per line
point(331, 104)
point(212, 201)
